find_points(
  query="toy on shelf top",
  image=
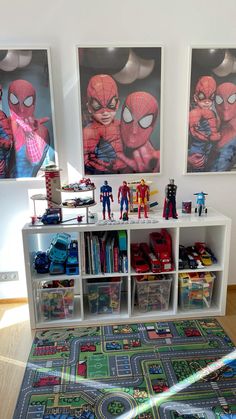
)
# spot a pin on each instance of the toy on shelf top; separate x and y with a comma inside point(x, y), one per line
point(142, 197)
point(170, 200)
point(200, 203)
point(124, 199)
point(105, 197)
point(83, 185)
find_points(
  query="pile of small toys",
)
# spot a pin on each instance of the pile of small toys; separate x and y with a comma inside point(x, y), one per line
point(196, 257)
point(60, 258)
point(195, 290)
point(153, 292)
point(104, 295)
point(56, 299)
point(83, 185)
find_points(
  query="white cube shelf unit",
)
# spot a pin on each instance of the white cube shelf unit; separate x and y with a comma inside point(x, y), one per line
point(213, 228)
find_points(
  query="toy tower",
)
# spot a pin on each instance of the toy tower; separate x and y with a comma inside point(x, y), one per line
point(53, 186)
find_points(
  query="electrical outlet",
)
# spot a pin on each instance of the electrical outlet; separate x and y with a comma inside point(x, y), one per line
point(9, 276)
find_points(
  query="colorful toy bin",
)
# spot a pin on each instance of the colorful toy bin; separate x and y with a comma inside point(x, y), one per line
point(104, 295)
point(152, 292)
point(195, 290)
point(56, 300)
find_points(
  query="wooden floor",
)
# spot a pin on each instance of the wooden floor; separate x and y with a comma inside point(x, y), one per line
point(15, 343)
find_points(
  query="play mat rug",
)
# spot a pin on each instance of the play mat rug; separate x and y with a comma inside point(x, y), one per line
point(174, 369)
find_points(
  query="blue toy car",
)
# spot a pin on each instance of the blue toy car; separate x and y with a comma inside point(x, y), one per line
point(58, 250)
point(51, 216)
point(41, 262)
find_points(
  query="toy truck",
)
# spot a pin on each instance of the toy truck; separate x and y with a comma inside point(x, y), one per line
point(162, 248)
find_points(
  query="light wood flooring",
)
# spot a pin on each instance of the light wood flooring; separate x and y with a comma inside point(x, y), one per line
point(15, 343)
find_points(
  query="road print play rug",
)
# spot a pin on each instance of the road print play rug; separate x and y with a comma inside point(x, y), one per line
point(173, 369)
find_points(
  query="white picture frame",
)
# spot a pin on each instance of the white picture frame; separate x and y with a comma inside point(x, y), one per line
point(131, 73)
point(27, 103)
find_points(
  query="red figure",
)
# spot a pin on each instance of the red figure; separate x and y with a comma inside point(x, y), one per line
point(138, 119)
point(31, 137)
point(102, 143)
point(124, 198)
point(142, 197)
point(6, 141)
point(203, 123)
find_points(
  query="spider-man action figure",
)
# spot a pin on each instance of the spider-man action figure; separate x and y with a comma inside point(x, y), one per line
point(105, 197)
point(203, 124)
point(124, 198)
point(103, 150)
point(139, 114)
point(142, 197)
point(30, 136)
point(6, 142)
point(225, 101)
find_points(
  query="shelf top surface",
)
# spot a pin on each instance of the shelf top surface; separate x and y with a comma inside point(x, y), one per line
point(154, 220)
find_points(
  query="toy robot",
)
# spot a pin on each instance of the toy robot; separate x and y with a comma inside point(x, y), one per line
point(124, 199)
point(142, 197)
point(105, 197)
point(170, 200)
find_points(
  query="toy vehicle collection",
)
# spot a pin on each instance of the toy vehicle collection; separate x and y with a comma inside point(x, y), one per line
point(196, 257)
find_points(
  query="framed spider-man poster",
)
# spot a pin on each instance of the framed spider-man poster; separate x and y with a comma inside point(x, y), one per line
point(27, 141)
point(120, 96)
point(212, 111)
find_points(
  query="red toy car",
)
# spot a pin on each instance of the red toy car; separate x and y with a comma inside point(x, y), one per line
point(139, 264)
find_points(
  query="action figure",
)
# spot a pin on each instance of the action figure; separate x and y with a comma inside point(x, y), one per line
point(203, 123)
point(170, 200)
point(102, 143)
point(30, 136)
point(138, 118)
point(124, 199)
point(105, 197)
point(6, 141)
point(142, 197)
point(200, 202)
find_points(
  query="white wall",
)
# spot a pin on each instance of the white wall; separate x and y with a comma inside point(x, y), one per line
point(61, 25)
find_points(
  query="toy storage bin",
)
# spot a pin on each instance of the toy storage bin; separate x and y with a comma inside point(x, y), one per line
point(195, 290)
point(104, 296)
point(55, 303)
point(153, 294)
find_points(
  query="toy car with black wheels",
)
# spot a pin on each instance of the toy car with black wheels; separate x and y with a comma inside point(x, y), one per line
point(41, 262)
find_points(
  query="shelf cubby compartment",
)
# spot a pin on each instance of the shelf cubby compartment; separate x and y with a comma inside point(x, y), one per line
point(105, 298)
point(214, 236)
point(200, 293)
point(152, 295)
point(155, 239)
point(105, 252)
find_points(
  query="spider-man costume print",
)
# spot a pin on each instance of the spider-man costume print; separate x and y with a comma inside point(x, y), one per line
point(225, 100)
point(203, 124)
point(139, 114)
point(30, 136)
point(102, 142)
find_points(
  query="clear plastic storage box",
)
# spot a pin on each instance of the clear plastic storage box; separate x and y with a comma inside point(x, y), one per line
point(195, 290)
point(153, 294)
point(104, 296)
point(55, 303)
